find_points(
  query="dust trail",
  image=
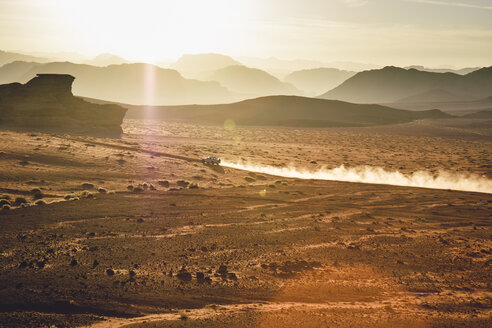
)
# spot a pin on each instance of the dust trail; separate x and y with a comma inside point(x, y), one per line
point(377, 175)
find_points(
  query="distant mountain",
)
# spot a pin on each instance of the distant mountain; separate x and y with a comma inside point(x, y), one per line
point(462, 71)
point(195, 65)
point(126, 83)
point(251, 82)
point(391, 84)
point(318, 80)
point(106, 60)
point(282, 67)
point(484, 114)
point(286, 111)
point(15, 71)
point(9, 57)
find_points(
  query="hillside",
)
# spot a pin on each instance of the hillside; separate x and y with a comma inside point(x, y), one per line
point(126, 83)
point(286, 111)
point(391, 84)
point(432, 96)
point(318, 80)
point(251, 82)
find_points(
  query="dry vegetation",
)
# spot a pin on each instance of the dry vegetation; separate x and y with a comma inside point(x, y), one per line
point(123, 239)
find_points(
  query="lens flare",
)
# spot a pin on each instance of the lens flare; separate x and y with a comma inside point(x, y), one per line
point(377, 175)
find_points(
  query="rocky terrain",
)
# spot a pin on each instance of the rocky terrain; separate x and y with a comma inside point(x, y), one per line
point(136, 232)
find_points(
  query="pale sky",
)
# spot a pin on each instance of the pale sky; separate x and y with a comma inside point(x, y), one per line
point(399, 32)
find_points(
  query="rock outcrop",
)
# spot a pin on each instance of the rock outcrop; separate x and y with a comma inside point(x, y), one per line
point(46, 103)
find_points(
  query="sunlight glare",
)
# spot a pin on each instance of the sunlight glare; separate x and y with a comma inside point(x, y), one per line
point(149, 29)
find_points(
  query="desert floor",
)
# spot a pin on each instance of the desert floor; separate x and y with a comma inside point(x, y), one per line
point(136, 232)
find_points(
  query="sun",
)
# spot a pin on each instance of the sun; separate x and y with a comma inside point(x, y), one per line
point(150, 29)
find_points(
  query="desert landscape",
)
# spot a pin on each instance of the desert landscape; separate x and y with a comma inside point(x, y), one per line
point(137, 232)
point(252, 164)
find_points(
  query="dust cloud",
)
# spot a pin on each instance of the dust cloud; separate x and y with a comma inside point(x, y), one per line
point(377, 175)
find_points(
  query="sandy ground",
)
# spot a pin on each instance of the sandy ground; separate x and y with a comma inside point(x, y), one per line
point(122, 241)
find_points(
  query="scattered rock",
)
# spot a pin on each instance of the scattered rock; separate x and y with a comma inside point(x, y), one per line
point(184, 275)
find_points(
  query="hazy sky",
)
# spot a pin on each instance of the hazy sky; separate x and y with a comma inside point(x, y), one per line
point(399, 32)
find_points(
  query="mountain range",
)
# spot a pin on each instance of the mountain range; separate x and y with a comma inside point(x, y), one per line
point(127, 83)
point(394, 85)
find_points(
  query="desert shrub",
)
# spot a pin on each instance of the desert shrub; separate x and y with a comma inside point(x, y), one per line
point(4, 202)
point(137, 189)
point(68, 197)
point(5, 207)
point(249, 179)
point(260, 177)
point(272, 186)
point(7, 197)
point(86, 194)
point(87, 185)
point(102, 190)
point(152, 187)
point(193, 186)
point(182, 183)
point(37, 193)
point(163, 183)
point(130, 187)
point(19, 200)
point(40, 202)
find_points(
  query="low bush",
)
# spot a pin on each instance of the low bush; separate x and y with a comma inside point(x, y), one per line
point(182, 183)
point(86, 194)
point(37, 193)
point(87, 185)
point(163, 183)
point(249, 179)
point(19, 200)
